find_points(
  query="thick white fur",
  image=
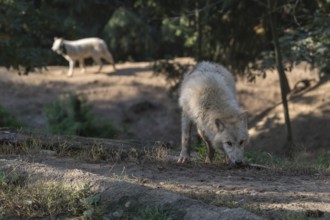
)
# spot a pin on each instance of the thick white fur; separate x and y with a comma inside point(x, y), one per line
point(79, 50)
point(208, 100)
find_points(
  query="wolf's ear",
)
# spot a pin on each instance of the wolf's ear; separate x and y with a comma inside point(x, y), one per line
point(219, 125)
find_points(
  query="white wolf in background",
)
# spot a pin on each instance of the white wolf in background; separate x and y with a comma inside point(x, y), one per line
point(79, 50)
point(208, 99)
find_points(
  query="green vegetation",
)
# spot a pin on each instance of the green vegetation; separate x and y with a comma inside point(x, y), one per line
point(8, 120)
point(263, 158)
point(323, 161)
point(139, 213)
point(301, 161)
point(72, 116)
point(153, 213)
point(94, 208)
point(219, 156)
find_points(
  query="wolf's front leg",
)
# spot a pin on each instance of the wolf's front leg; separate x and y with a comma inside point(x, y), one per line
point(210, 149)
point(109, 58)
point(185, 139)
point(71, 66)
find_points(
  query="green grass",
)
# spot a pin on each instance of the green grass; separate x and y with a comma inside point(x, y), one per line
point(303, 160)
point(264, 158)
point(21, 199)
point(219, 156)
point(323, 161)
point(296, 216)
point(153, 213)
point(141, 213)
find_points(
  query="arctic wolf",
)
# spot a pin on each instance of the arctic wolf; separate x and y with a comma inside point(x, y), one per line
point(208, 100)
point(78, 50)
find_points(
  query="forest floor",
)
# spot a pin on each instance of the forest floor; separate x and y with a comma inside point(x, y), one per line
point(138, 103)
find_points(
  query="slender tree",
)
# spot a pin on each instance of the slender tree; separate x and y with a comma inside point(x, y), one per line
point(199, 31)
point(282, 76)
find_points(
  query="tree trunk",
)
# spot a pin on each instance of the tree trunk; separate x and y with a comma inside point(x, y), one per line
point(285, 89)
point(199, 31)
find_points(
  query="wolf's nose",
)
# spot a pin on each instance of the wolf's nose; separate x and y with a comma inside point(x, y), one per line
point(238, 162)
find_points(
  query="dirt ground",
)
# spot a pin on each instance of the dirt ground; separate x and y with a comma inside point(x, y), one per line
point(137, 102)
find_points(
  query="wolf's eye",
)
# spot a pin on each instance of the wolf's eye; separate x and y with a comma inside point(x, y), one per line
point(229, 143)
point(241, 142)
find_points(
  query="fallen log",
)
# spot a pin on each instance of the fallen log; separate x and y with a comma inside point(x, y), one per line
point(74, 143)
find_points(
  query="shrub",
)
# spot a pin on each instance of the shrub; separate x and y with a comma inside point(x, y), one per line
point(8, 120)
point(72, 116)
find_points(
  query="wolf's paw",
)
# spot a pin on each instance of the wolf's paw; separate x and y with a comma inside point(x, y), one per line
point(184, 157)
point(208, 160)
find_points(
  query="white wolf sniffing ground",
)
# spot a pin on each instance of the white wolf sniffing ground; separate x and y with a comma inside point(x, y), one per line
point(79, 50)
point(208, 100)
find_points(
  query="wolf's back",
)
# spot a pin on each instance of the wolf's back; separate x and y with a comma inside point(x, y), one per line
point(208, 89)
point(207, 74)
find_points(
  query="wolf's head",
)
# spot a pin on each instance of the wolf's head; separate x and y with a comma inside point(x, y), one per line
point(57, 45)
point(232, 136)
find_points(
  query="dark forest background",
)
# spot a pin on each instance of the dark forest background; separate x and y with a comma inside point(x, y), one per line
point(232, 32)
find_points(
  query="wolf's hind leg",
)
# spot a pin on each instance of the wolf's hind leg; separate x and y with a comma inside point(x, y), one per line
point(97, 60)
point(185, 139)
point(82, 65)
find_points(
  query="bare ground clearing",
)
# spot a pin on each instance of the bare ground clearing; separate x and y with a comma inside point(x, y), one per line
point(116, 96)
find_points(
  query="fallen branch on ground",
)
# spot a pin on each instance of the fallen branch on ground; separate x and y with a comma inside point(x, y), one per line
point(257, 166)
